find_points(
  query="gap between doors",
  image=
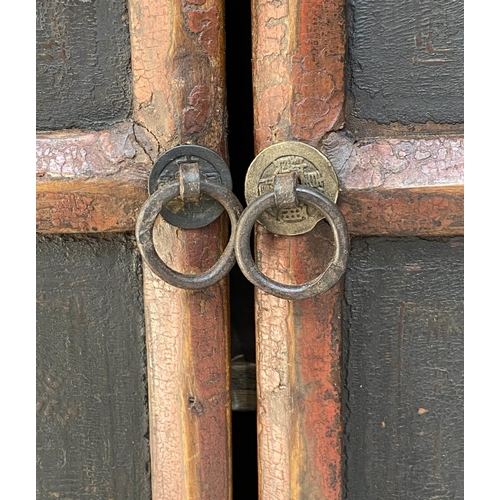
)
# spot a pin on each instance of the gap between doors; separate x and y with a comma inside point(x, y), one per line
point(241, 153)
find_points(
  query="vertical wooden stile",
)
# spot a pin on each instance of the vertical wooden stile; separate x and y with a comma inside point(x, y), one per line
point(298, 72)
point(179, 98)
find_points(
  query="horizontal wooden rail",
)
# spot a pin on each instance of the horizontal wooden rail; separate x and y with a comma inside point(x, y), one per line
point(97, 181)
point(402, 186)
point(92, 181)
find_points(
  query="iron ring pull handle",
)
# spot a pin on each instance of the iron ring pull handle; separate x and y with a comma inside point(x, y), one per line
point(336, 267)
point(189, 187)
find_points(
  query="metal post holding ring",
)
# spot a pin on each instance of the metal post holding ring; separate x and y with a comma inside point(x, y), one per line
point(327, 279)
point(152, 208)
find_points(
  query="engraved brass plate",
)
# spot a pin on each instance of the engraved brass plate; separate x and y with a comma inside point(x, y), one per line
point(313, 170)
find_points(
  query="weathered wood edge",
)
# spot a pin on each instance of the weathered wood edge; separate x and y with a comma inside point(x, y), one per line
point(97, 182)
point(177, 54)
point(298, 78)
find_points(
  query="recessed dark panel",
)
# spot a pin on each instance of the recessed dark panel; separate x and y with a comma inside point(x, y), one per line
point(82, 63)
point(406, 60)
point(404, 370)
point(92, 427)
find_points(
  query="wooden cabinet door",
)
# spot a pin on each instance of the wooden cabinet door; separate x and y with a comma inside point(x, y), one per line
point(359, 389)
point(170, 90)
point(377, 87)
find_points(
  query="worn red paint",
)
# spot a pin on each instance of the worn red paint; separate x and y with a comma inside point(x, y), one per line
point(318, 70)
point(206, 382)
point(298, 373)
point(321, 382)
point(318, 369)
point(179, 95)
point(196, 113)
point(86, 205)
point(205, 24)
point(298, 59)
point(298, 87)
point(384, 183)
point(424, 211)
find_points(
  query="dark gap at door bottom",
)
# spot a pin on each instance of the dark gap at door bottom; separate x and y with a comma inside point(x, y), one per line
point(245, 455)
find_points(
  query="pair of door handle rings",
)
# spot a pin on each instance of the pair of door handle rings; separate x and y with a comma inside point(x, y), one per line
point(190, 185)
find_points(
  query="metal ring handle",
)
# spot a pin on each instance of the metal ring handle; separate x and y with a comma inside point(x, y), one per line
point(320, 284)
point(144, 234)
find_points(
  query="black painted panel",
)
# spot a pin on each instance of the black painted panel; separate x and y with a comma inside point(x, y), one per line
point(407, 60)
point(404, 370)
point(82, 63)
point(91, 391)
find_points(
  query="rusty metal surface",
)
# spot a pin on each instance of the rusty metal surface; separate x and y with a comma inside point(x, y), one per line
point(334, 269)
point(190, 214)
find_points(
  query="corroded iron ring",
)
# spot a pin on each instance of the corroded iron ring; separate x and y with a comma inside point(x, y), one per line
point(144, 234)
point(320, 284)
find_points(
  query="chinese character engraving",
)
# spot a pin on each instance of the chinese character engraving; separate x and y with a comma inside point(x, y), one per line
point(307, 175)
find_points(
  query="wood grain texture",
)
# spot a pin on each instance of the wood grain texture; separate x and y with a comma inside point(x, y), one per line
point(97, 181)
point(243, 387)
point(400, 186)
point(92, 181)
point(406, 61)
point(92, 423)
point(88, 206)
point(188, 373)
point(298, 69)
point(404, 369)
point(433, 211)
point(82, 63)
point(298, 372)
point(291, 463)
point(179, 97)
point(178, 71)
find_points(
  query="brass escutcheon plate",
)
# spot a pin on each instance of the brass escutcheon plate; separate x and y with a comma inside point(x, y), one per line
point(313, 170)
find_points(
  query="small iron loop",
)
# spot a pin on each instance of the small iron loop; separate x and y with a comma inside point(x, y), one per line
point(189, 178)
point(144, 234)
point(285, 194)
point(327, 279)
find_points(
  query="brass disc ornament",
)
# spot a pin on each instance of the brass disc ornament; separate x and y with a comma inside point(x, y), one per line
point(313, 170)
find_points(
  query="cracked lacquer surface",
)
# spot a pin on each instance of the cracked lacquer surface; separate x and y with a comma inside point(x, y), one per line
point(179, 97)
point(298, 55)
point(299, 51)
point(164, 355)
point(426, 211)
point(124, 150)
point(96, 181)
point(188, 352)
point(298, 373)
point(82, 64)
point(400, 186)
point(274, 400)
point(89, 181)
point(178, 70)
point(92, 422)
point(396, 163)
point(404, 369)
